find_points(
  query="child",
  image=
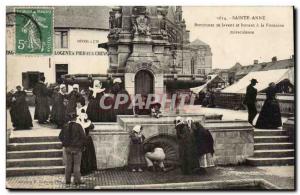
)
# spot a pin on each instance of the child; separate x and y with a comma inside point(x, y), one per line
point(136, 152)
point(155, 110)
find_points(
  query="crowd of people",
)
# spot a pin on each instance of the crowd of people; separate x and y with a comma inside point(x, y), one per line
point(64, 103)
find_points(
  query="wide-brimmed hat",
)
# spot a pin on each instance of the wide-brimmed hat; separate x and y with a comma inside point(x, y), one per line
point(254, 81)
point(137, 128)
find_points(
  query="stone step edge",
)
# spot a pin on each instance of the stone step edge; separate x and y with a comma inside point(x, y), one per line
point(33, 137)
point(32, 143)
point(267, 159)
point(34, 151)
point(269, 130)
point(275, 136)
point(34, 168)
point(32, 159)
point(273, 143)
point(275, 151)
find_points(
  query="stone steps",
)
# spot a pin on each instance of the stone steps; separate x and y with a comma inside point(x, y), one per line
point(271, 139)
point(270, 161)
point(43, 170)
point(34, 154)
point(273, 146)
point(34, 162)
point(34, 146)
point(33, 139)
point(273, 153)
point(277, 132)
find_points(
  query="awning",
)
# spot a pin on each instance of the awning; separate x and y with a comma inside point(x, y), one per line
point(200, 88)
point(264, 78)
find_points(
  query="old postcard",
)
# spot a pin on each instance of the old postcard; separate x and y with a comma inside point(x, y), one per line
point(150, 97)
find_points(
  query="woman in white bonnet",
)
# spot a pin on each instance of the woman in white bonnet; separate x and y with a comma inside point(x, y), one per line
point(94, 111)
point(187, 151)
point(88, 159)
point(136, 158)
point(204, 144)
point(59, 107)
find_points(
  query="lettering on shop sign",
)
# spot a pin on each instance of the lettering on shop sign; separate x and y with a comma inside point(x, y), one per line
point(70, 53)
point(88, 41)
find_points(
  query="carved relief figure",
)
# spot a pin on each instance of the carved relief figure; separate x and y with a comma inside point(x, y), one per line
point(140, 21)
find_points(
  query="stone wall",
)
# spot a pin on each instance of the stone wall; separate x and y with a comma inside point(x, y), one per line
point(233, 139)
point(112, 146)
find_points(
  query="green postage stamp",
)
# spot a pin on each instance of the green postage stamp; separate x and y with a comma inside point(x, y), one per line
point(34, 31)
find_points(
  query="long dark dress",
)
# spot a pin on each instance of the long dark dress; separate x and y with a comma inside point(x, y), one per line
point(136, 157)
point(269, 116)
point(88, 159)
point(187, 149)
point(204, 140)
point(204, 145)
point(42, 109)
point(58, 110)
point(122, 109)
point(19, 111)
point(73, 97)
point(53, 108)
point(94, 111)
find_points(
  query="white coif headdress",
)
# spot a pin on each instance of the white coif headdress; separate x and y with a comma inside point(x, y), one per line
point(117, 80)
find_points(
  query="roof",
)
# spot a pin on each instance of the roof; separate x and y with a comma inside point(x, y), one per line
point(200, 88)
point(91, 17)
point(95, 17)
point(263, 78)
point(198, 42)
point(273, 65)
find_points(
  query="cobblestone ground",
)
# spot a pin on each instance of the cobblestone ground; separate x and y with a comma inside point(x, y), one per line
point(282, 177)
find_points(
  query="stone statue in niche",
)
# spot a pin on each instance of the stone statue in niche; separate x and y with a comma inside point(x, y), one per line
point(118, 19)
point(111, 20)
point(162, 12)
point(115, 22)
point(140, 21)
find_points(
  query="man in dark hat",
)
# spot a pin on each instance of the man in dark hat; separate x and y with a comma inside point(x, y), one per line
point(250, 100)
point(73, 138)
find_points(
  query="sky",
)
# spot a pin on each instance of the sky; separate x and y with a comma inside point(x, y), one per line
point(227, 48)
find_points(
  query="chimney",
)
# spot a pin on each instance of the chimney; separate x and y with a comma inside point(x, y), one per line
point(274, 59)
point(255, 62)
point(292, 57)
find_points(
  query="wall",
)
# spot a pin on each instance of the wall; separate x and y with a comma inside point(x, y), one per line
point(233, 139)
point(80, 40)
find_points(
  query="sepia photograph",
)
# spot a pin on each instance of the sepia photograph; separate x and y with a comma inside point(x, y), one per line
point(150, 98)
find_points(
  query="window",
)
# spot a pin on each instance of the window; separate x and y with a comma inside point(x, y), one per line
point(61, 39)
point(192, 66)
point(29, 79)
